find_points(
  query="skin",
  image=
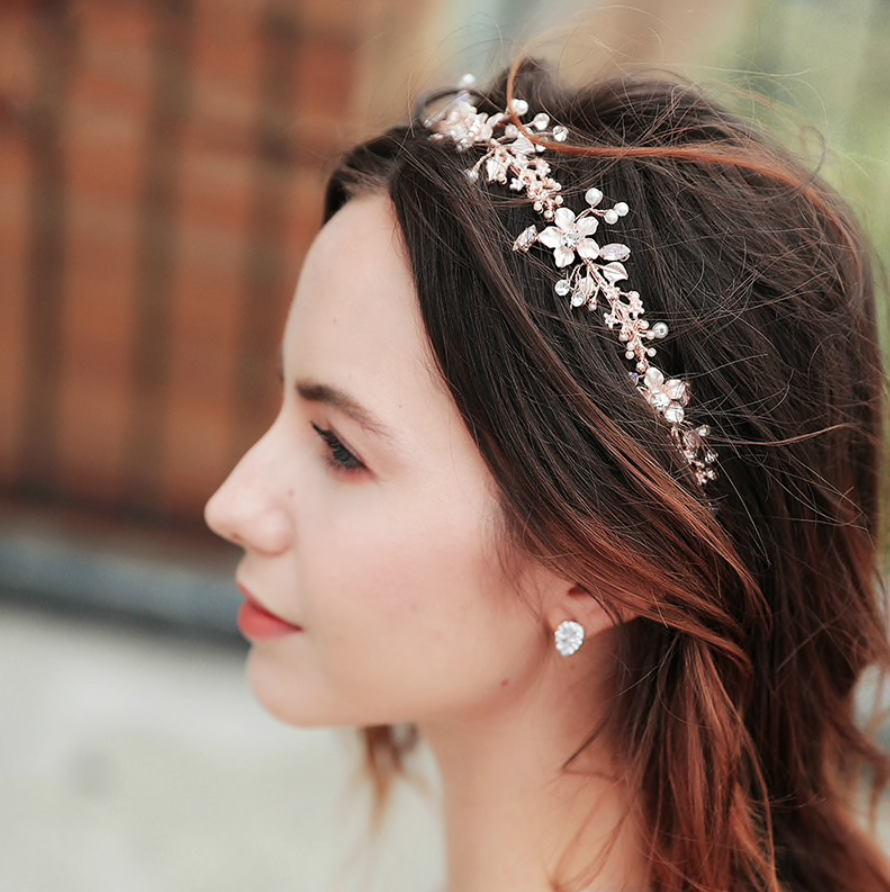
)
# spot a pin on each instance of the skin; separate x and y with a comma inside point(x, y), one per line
point(372, 524)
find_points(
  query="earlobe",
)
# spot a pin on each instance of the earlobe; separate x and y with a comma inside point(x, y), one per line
point(575, 614)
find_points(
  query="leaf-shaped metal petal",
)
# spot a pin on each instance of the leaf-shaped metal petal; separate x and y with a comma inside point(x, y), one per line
point(564, 218)
point(653, 378)
point(551, 237)
point(677, 391)
point(588, 249)
point(615, 251)
point(564, 256)
point(495, 169)
point(588, 226)
point(614, 272)
point(522, 145)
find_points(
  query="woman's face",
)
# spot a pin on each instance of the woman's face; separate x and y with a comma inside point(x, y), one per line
point(367, 517)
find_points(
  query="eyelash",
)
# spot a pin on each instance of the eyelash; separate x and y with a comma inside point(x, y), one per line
point(338, 457)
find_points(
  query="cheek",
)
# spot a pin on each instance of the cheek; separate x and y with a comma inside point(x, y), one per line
point(422, 606)
point(403, 550)
point(401, 573)
point(400, 567)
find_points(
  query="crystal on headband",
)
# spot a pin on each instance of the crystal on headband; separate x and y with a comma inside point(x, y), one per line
point(590, 273)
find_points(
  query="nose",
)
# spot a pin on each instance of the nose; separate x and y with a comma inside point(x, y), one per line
point(249, 508)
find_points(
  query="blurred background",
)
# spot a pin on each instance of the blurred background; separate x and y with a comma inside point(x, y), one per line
point(161, 172)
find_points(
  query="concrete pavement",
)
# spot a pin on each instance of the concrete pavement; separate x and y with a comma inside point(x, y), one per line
point(138, 762)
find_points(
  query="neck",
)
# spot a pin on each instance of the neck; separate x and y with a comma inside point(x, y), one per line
point(516, 820)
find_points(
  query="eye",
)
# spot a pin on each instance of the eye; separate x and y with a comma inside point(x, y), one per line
point(338, 457)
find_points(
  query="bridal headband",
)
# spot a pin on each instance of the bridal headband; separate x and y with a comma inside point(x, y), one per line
point(589, 272)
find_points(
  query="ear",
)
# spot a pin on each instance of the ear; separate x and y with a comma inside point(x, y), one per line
point(565, 600)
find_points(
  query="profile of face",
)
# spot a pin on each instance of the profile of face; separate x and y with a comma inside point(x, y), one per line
point(368, 519)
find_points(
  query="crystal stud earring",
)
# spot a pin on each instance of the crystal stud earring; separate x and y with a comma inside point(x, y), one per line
point(569, 637)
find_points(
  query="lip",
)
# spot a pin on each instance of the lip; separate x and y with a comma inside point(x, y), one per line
point(257, 623)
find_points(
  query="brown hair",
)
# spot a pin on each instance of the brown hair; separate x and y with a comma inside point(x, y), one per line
point(758, 605)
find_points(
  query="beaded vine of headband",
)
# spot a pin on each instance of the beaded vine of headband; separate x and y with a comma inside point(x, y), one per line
point(590, 272)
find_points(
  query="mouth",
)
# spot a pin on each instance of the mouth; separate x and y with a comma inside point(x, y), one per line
point(257, 623)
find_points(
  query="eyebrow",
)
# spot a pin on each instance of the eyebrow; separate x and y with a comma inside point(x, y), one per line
point(316, 392)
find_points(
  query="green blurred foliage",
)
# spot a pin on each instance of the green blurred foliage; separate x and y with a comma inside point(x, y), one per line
point(829, 61)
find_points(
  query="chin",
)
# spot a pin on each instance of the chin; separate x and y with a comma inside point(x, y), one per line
point(290, 700)
point(279, 695)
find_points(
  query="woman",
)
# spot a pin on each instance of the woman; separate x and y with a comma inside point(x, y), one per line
point(598, 522)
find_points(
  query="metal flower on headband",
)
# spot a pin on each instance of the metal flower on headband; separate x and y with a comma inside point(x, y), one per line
point(589, 272)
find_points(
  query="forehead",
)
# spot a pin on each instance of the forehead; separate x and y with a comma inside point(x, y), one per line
point(355, 323)
point(355, 288)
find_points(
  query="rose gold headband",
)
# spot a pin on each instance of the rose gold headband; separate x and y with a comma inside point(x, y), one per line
point(589, 272)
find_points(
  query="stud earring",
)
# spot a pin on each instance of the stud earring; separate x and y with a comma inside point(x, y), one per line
point(569, 637)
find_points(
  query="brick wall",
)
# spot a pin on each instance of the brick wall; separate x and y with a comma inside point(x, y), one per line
point(161, 164)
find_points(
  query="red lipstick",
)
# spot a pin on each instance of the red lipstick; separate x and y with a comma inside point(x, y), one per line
point(257, 624)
